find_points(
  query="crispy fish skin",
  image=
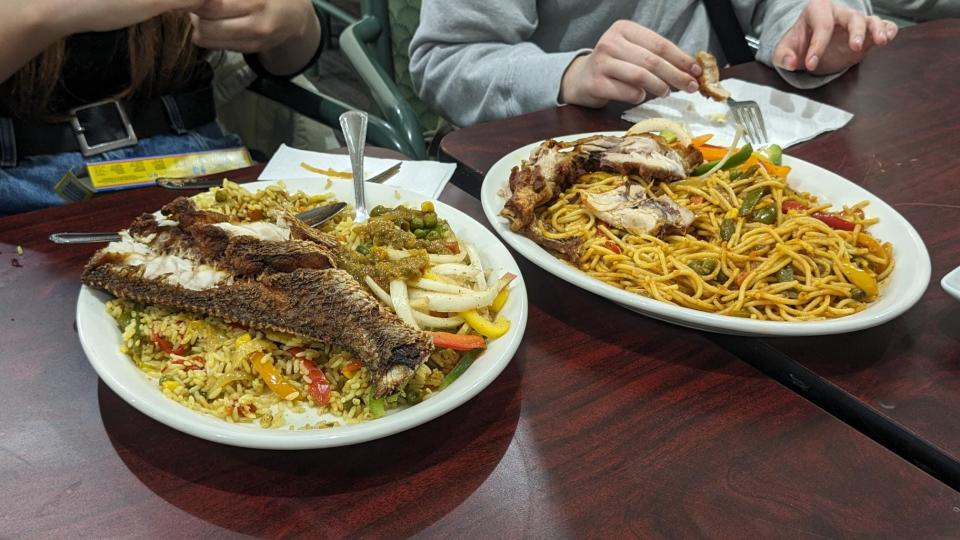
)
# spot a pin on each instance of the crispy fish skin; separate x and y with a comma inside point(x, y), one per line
point(290, 286)
point(326, 305)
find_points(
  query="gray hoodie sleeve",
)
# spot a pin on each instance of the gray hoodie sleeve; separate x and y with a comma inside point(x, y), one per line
point(472, 60)
point(770, 20)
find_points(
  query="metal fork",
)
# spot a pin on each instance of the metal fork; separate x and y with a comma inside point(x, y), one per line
point(748, 115)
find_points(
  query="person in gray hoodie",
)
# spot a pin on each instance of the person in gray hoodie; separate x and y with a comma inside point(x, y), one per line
point(479, 60)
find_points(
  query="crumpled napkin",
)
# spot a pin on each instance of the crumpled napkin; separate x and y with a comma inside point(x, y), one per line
point(789, 118)
point(427, 178)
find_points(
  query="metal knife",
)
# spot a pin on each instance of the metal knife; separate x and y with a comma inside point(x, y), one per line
point(207, 183)
point(314, 218)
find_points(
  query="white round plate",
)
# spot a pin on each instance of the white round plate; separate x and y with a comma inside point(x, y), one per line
point(905, 286)
point(101, 340)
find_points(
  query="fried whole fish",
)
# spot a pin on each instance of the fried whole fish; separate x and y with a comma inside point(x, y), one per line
point(268, 276)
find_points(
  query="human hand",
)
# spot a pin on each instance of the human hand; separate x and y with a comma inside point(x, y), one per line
point(628, 63)
point(249, 26)
point(828, 38)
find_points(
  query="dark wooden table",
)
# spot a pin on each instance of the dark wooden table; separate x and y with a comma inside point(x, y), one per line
point(605, 423)
point(902, 146)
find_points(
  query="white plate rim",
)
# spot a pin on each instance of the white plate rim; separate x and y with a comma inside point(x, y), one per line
point(913, 249)
point(128, 382)
point(951, 283)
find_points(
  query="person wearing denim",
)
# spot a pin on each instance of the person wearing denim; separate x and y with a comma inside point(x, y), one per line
point(111, 73)
point(29, 185)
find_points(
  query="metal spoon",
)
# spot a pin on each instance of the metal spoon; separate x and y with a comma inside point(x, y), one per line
point(354, 126)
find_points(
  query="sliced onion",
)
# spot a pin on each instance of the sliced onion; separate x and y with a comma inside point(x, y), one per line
point(453, 270)
point(439, 286)
point(479, 276)
point(401, 305)
point(662, 124)
point(378, 291)
point(450, 303)
point(430, 321)
point(730, 151)
point(397, 254)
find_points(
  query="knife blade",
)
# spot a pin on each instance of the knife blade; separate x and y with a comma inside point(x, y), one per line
point(207, 183)
point(315, 217)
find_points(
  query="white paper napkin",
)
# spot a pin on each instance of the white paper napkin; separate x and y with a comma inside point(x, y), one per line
point(427, 178)
point(789, 118)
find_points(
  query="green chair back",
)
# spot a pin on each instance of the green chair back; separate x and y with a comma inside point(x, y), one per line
point(404, 18)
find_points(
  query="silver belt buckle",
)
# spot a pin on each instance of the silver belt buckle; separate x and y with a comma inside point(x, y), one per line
point(79, 131)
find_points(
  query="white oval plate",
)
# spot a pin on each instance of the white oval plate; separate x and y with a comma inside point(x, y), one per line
point(905, 286)
point(100, 339)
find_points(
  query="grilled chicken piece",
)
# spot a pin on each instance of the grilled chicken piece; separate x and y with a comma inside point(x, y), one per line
point(538, 179)
point(644, 155)
point(254, 274)
point(709, 78)
point(568, 248)
point(628, 207)
point(554, 166)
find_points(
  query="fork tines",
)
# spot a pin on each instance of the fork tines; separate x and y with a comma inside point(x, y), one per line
point(748, 115)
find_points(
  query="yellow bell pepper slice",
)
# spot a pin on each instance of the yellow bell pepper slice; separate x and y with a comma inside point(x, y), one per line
point(485, 327)
point(501, 299)
point(272, 376)
point(864, 280)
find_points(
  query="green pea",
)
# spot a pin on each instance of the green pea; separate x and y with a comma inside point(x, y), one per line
point(420, 233)
point(416, 222)
point(430, 220)
point(433, 235)
point(220, 196)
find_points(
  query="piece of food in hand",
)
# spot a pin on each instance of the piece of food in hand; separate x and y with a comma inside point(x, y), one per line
point(709, 78)
point(628, 207)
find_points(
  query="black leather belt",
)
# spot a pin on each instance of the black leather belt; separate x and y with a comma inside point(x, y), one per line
point(108, 125)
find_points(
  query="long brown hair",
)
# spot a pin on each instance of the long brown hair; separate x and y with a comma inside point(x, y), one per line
point(160, 52)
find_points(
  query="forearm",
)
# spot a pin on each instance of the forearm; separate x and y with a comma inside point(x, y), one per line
point(25, 32)
point(496, 80)
point(293, 55)
point(480, 54)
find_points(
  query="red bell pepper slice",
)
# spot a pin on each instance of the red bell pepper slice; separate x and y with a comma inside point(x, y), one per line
point(457, 342)
point(165, 345)
point(790, 204)
point(834, 222)
point(319, 386)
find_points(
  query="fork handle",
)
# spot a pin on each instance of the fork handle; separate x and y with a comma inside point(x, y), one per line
point(83, 238)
